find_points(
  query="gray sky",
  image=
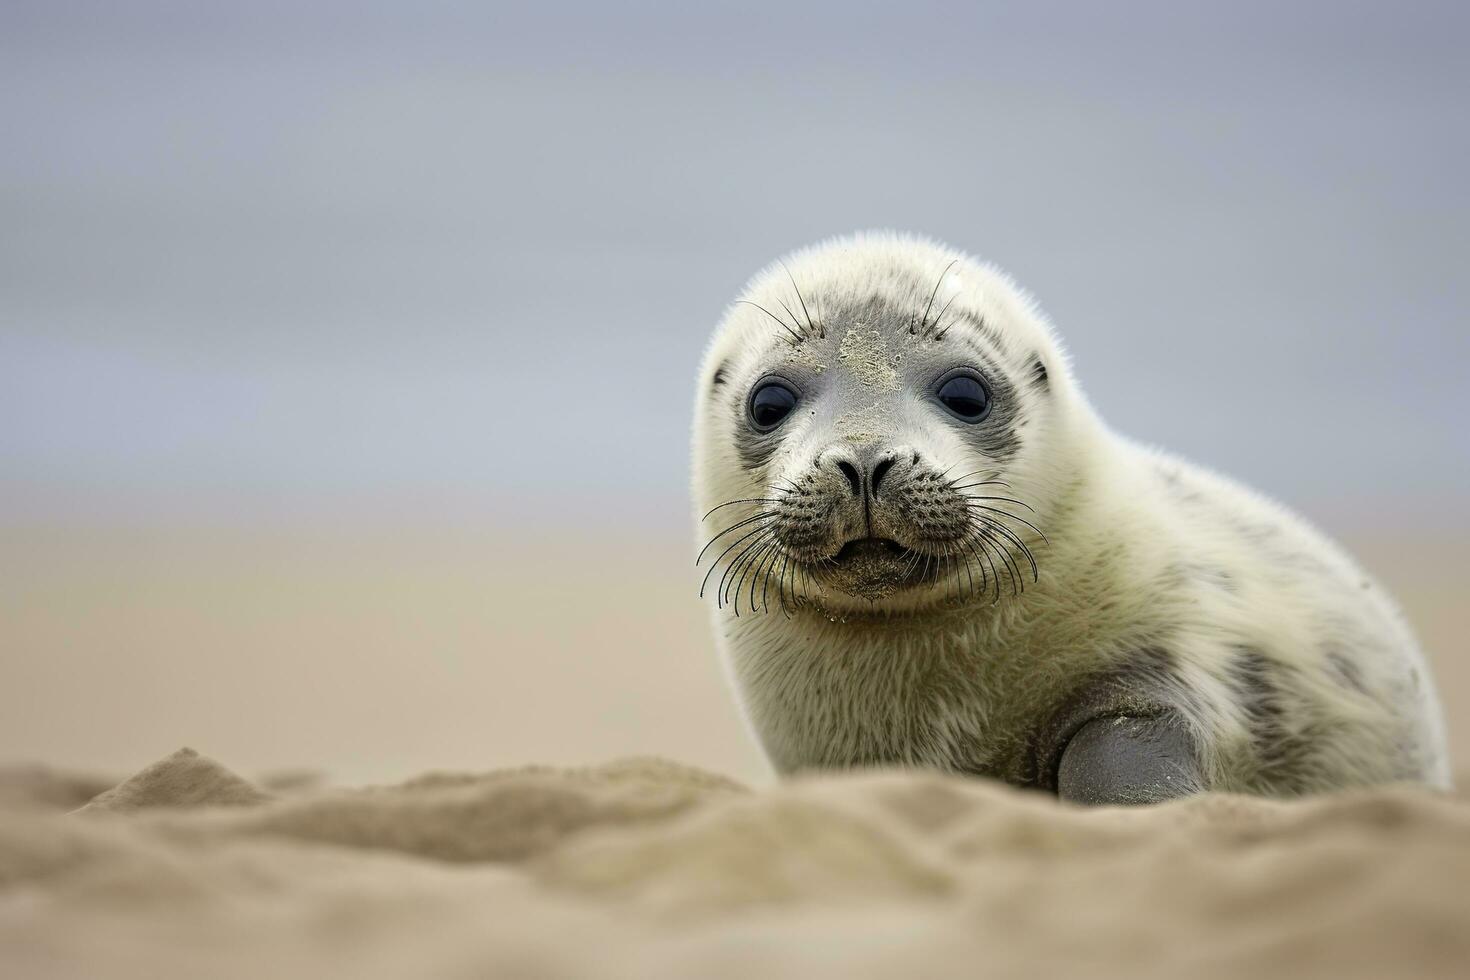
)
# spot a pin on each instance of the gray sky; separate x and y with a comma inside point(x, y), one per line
point(442, 261)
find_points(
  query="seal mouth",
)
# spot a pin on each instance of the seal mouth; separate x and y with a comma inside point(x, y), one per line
point(872, 568)
point(870, 548)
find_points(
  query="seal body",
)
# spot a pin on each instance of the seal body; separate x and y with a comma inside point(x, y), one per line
point(922, 547)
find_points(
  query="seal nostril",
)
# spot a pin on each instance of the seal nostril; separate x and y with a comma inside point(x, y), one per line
point(853, 480)
point(880, 471)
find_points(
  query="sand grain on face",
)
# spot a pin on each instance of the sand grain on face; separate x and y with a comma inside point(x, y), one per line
point(651, 869)
point(865, 354)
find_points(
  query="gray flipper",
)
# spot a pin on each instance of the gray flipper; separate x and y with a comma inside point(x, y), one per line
point(1125, 760)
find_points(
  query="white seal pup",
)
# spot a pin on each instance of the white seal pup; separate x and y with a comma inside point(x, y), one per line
point(924, 548)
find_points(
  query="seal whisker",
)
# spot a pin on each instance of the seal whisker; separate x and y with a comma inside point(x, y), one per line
point(763, 575)
point(991, 553)
point(799, 583)
point(800, 299)
point(978, 547)
point(1006, 513)
point(750, 565)
point(796, 336)
point(963, 476)
point(970, 567)
point(733, 567)
point(970, 546)
point(781, 584)
point(1009, 500)
point(940, 334)
point(728, 578)
point(716, 563)
point(1010, 535)
point(1013, 571)
point(914, 558)
point(923, 323)
point(765, 582)
point(790, 314)
point(763, 516)
point(742, 500)
point(982, 483)
point(763, 572)
point(778, 565)
point(951, 556)
point(798, 589)
point(941, 561)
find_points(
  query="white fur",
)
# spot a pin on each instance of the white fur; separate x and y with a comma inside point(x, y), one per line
point(1143, 550)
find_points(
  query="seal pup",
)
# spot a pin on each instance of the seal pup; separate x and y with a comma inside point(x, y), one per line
point(923, 547)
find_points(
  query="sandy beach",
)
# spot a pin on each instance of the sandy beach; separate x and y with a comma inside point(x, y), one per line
point(327, 671)
point(646, 868)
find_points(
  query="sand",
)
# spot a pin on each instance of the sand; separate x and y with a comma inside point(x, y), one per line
point(371, 654)
point(647, 868)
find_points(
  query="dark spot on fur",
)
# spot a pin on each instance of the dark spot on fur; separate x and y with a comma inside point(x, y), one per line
point(1256, 691)
point(1280, 745)
point(1346, 671)
point(1038, 374)
point(720, 373)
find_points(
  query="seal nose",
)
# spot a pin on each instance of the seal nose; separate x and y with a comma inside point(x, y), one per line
point(879, 472)
point(864, 475)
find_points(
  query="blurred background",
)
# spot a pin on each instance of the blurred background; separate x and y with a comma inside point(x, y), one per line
point(347, 349)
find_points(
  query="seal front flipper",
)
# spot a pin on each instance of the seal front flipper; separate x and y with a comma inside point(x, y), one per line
point(1128, 760)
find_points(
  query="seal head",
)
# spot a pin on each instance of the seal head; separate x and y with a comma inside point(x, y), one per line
point(879, 432)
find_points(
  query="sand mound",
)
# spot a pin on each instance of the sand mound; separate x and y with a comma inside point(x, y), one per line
point(182, 781)
point(645, 868)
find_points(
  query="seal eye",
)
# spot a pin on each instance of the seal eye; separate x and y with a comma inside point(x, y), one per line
point(771, 402)
point(966, 397)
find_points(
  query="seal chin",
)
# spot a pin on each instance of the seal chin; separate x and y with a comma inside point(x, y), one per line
point(870, 568)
